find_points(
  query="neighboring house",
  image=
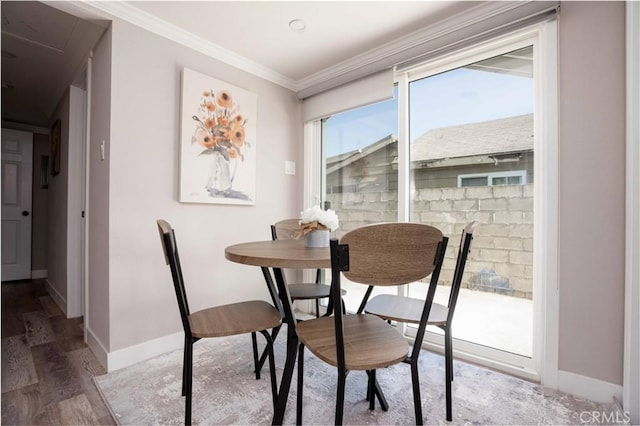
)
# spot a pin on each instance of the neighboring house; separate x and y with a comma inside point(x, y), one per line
point(496, 152)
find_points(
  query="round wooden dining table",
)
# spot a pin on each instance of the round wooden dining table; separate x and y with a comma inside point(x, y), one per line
point(290, 254)
point(279, 254)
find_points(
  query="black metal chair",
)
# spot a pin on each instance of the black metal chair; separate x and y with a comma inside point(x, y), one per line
point(408, 310)
point(226, 320)
point(284, 230)
point(387, 254)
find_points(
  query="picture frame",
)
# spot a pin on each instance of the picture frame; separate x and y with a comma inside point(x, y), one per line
point(218, 141)
point(56, 134)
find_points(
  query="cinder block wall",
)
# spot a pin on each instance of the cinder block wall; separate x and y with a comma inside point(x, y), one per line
point(501, 259)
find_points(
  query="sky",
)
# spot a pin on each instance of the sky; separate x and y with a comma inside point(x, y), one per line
point(454, 97)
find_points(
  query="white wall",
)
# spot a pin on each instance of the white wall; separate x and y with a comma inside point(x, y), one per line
point(57, 212)
point(592, 197)
point(97, 287)
point(143, 151)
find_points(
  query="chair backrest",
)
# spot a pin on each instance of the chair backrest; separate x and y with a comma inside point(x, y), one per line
point(463, 253)
point(285, 229)
point(387, 254)
point(172, 258)
point(392, 253)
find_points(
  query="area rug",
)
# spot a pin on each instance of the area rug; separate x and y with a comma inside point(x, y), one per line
point(226, 392)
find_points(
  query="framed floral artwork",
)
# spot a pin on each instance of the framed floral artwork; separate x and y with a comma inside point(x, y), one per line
point(56, 134)
point(217, 141)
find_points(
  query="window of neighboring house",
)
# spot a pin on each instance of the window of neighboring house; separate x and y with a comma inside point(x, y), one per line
point(518, 177)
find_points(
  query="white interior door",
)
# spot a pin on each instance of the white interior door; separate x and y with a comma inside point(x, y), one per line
point(17, 164)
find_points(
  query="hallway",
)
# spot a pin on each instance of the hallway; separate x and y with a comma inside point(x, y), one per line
point(46, 366)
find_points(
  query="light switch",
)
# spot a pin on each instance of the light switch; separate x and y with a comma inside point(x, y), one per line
point(289, 167)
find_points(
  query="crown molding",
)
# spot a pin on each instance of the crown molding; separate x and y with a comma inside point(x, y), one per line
point(387, 55)
point(126, 12)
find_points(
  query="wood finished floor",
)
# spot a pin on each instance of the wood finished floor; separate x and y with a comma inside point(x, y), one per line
point(46, 366)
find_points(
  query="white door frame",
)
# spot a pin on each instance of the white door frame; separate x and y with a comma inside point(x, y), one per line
point(631, 369)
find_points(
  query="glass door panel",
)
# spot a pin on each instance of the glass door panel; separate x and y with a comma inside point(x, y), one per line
point(471, 155)
point(360, 157)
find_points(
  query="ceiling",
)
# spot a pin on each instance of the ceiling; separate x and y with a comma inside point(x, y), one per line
point(44, 48)
point(43, 51)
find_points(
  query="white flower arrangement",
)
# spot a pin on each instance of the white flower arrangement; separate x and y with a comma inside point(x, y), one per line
point(314, 218)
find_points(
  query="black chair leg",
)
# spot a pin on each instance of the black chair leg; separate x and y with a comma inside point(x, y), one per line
point(342, 377)
point(371, 390)
point(184, 366)
point(263, 357)
point(285, 381)
point(272, 366)
point(256, 363)
point(317, 308)
point(188, 384)
point(417, 401)
point(448, 351)
point(300, 384)
point(374, 391)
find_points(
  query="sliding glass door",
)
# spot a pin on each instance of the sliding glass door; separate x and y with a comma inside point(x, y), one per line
point(459, 143)
point(472, 159)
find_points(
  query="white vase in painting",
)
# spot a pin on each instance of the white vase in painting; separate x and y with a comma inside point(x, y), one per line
point(318, 238)
point(219, 181)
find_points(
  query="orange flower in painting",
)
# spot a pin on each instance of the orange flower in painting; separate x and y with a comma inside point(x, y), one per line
point(210, 123)
point(205, 139)
point(238, 136)
point(223, 133)
point(224, 99)
point(220, 126)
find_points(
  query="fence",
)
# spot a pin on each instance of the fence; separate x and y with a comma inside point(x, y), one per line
point(501, 258)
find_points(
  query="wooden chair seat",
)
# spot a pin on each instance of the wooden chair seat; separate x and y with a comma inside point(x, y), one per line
point(372, 343)
point(235, 318)
point(405, 309)
point(308, 291)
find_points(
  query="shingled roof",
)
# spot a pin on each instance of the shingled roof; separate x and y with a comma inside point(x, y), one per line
point(502, 136)
point(495, 137)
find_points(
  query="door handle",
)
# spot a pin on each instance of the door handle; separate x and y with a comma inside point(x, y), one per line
point(25, 213)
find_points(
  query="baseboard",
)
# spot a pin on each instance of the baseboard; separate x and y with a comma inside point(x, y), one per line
point(40, 273)
point(141, 352)
point(97, 348)
point(588, 387)
point(57, 297)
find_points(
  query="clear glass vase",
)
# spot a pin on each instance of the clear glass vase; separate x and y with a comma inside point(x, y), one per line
point(219, 182)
